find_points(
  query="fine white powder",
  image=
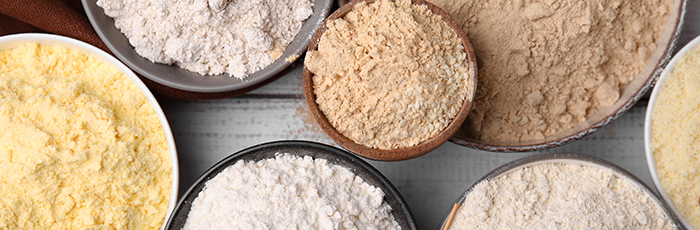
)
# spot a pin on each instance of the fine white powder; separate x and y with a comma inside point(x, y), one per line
point(560, 196)
point(289, 192)
point(212, 37)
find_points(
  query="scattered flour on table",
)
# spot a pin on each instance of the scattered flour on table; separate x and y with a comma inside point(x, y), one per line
point(560, 196)
point(210, 37)
point(289, 192)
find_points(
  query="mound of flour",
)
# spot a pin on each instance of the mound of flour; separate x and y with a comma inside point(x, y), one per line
point(560, 196)
point(289, 192)
point(237, 37)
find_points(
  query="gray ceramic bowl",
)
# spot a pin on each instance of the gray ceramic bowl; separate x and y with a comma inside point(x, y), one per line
point(333, 155)
point(175, 77)
point(567, 158)
point(628, 97)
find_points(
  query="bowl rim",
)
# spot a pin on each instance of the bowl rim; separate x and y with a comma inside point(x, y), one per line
point(96, 16)
point(91, 51)
point(404, 153)
point(339, 155)
point(566, 158)
point(666, 54)
point(651, 163)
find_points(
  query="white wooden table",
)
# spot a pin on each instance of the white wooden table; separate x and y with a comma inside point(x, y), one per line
point(207, 131)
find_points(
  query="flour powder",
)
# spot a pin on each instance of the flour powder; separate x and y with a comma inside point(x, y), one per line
point(546, 66)
point(404, 80)
point(210, 37)
point(289, 192)
point(560, 196)
point(675, 124)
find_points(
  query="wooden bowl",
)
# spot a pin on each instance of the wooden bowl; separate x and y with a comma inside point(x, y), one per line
point(400, 153)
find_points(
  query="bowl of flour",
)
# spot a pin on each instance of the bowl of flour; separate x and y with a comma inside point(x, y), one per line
point(559, 191)
point(292, 185)
point(84, 143)
point(404, 88)
point(207, 46)
point(552, 72)
point(670, 135)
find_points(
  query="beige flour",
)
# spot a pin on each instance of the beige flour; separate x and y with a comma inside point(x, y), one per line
point(675, 126)
point(389, 74)
point(560, 196)
point(545, 66)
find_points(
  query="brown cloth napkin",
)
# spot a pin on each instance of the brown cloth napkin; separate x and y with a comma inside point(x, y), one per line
point(68, 18)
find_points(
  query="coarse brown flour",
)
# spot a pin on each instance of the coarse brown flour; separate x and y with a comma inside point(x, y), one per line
point(545, 66)
point(390, 74)
point(210, 37)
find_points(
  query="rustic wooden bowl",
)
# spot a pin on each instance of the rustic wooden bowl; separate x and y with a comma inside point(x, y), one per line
point(400, 153)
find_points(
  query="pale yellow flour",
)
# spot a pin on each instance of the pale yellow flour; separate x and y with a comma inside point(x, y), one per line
point(547, 65)
point(675, 136)
point(80, 145)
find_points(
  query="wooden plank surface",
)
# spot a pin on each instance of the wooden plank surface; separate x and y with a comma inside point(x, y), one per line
point(207, 131)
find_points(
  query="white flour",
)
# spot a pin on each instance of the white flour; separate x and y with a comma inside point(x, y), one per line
point(213, 37)
point(560, 196)
point(289, 192)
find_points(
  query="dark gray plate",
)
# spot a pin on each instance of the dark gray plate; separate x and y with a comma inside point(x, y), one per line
point(570, 158)
point(333, 155)
point(175, 77)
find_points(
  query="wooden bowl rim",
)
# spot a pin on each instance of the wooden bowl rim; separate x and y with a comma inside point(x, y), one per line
point(400, 153)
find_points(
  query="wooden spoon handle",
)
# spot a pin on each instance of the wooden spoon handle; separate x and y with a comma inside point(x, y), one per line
point(451, 217)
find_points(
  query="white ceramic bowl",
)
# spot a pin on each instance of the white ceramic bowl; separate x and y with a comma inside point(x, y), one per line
point(11, 41)
point(565, 158)
point(647, 127)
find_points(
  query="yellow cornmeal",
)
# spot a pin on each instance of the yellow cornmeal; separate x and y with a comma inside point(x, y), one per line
point(675, 136)
point(80, 146)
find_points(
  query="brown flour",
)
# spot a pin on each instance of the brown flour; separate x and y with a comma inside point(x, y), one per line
point(389, 74)
point(545, 66)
